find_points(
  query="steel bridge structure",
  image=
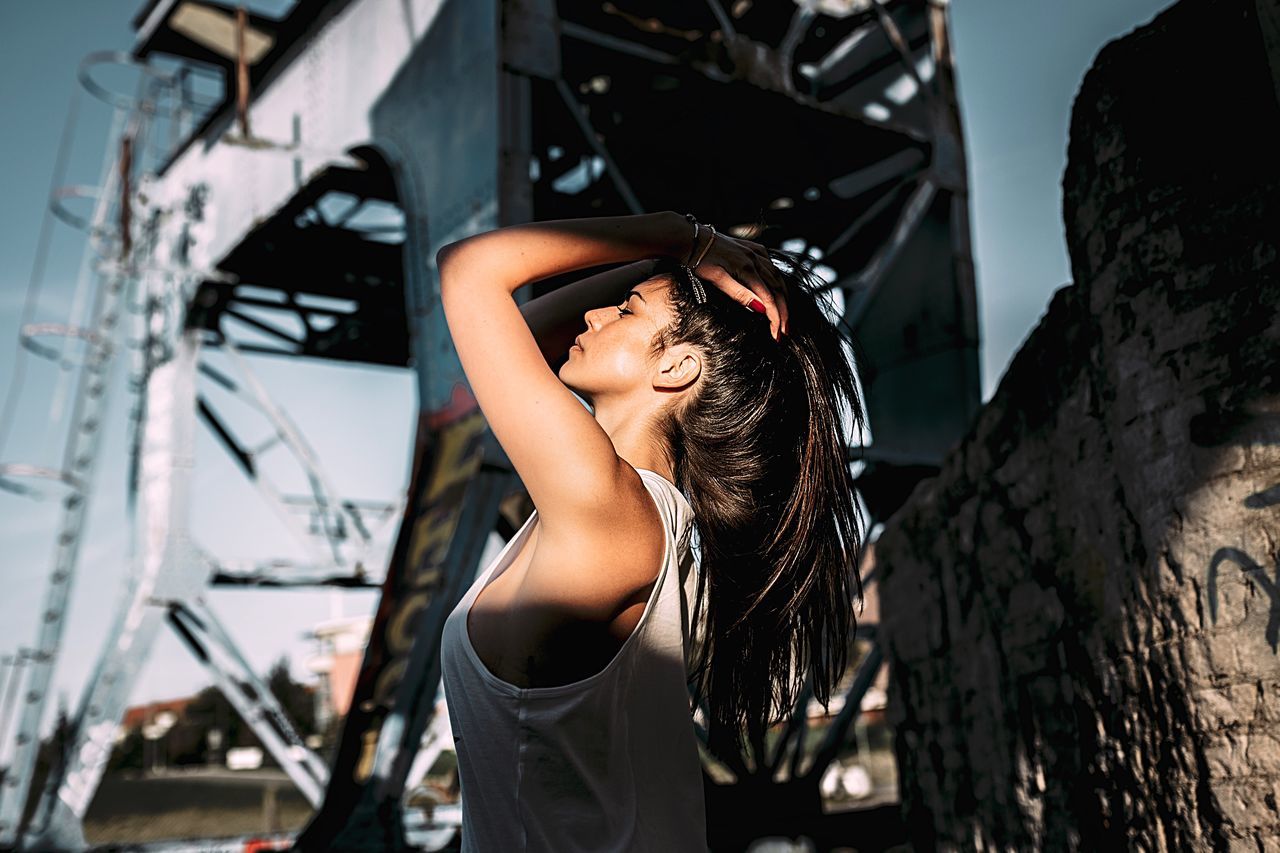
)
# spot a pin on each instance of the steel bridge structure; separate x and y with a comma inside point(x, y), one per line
point(296, 213)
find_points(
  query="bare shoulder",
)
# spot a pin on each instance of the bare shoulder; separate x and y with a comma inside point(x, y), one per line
point(589, 566)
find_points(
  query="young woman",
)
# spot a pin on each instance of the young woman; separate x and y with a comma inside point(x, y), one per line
point(717, 388)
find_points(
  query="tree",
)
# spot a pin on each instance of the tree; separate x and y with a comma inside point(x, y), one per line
point(188, 742)
point(298, 700)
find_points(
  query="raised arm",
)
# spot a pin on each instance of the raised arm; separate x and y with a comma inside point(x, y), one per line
point(556, 317)
point(563, 456)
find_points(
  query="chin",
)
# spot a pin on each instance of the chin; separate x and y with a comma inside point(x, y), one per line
point(582, 394)
point(565, 375)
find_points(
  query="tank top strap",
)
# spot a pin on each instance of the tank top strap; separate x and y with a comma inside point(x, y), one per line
point(676, 511)
point(678, 516)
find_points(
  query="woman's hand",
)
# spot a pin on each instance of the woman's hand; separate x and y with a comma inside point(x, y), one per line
point(744, 271)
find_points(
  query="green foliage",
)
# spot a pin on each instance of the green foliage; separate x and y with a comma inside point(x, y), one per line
point(188, 742)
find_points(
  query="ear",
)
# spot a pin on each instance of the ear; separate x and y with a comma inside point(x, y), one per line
point(678, 367)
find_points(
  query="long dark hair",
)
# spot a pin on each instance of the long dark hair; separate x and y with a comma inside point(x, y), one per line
point(762, 455)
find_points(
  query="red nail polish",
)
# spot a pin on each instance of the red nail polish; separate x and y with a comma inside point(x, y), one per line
point(757, 305)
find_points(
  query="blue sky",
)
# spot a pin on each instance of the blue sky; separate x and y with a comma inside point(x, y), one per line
point(1019, 64)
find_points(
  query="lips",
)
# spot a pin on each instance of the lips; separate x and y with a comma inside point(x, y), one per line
point(577, 342)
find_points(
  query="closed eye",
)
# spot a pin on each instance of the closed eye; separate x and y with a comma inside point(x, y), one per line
point(624, 310)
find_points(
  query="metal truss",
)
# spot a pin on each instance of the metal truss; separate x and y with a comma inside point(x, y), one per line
point(833, 123)
point(170, 573)
point(75, 475)
point(199, 628)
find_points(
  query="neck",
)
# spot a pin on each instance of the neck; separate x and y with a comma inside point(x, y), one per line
point(629, 427)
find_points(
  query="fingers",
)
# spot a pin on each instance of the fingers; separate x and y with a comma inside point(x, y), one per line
point(745, 295)
point(777, 285)
point(754, 278)
point(772, 278)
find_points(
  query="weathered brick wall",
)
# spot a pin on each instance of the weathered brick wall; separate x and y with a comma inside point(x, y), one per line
point(1081, 611)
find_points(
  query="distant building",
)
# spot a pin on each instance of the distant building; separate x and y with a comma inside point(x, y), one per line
point(340, 647)
point(149, 714)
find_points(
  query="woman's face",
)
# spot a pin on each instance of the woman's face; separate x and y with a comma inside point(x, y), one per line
point(612, 357)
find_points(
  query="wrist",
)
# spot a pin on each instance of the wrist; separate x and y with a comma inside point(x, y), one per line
point(700, 240)
point(682, 244)
point(701, 245)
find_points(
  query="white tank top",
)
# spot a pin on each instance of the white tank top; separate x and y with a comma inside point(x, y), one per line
point(606, 763)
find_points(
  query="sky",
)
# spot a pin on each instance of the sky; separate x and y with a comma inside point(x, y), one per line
point(1019, 64)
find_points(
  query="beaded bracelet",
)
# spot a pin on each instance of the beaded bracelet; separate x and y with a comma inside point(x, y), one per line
point(699, 293)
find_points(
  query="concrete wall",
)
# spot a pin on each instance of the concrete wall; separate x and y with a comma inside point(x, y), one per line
point(1082, 609)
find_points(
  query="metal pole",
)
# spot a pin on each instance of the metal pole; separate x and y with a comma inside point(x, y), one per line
point(242, 72)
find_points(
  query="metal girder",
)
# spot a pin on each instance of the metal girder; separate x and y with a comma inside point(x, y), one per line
point(487, 114)
point(589, 136)
point(78, 467)
point(341, 282)
point(212, 646)
point(168, 581)
point(868, 279)
point(168, 573)
point(162, 566)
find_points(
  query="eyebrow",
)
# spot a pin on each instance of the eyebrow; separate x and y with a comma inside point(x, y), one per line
point(631, 293)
